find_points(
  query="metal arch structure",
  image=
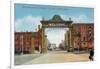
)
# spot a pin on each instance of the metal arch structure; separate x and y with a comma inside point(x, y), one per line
point(56, 22)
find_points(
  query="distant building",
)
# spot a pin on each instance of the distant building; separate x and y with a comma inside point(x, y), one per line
point(52, 46)
point(62, 45)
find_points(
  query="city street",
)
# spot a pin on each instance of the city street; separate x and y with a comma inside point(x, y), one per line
point(55, 57)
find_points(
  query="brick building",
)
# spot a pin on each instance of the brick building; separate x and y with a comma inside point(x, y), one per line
point(25, 44)
point(22, 42)
point(83, 35)
point(37, 40)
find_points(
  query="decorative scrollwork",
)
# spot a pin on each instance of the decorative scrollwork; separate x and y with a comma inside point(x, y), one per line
point(56, 18)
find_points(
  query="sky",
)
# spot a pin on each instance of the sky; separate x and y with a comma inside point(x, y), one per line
point(27, 18)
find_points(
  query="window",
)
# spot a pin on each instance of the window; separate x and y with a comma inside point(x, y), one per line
point(89, 27)
point(83, 38)
point(90, 35)
point(90, 39)
point(84, 43)
point(77, 43)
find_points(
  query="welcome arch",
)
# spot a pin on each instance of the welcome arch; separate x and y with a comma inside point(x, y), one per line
point(56, 22)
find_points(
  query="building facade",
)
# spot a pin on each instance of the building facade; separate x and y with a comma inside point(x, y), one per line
point(22, 42)
point(27, 42)
point(83, 35)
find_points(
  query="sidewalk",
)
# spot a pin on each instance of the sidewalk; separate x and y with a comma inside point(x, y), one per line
point(21, 59)
point(59, 58)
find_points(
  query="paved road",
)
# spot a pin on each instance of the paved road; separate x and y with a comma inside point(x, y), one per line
point(59, 57)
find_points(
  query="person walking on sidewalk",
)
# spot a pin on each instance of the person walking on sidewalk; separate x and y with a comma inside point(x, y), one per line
point(91, 54)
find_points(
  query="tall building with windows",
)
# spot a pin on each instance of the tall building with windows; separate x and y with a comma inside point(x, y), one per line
point(83, 35)
point(22, 42)
point(27, 42)
point(18, 43)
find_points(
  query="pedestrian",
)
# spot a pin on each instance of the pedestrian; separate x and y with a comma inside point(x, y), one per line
point(91, 55)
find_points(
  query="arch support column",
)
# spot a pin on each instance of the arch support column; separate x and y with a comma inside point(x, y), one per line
point(32, 45)
point(70, 40)
point(44, 48)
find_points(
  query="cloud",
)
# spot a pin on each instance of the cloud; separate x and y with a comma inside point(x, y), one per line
point(82, 18)
point(27, 23)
